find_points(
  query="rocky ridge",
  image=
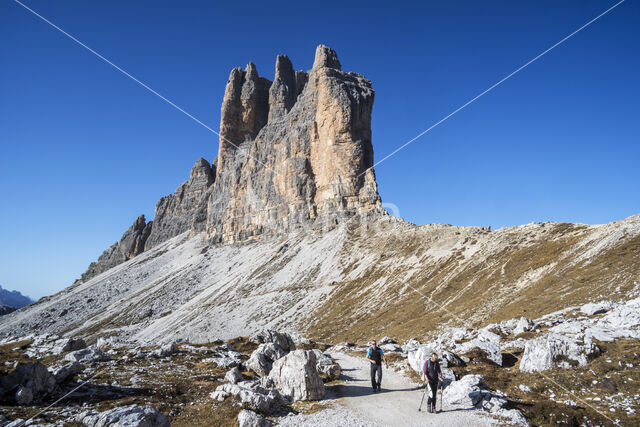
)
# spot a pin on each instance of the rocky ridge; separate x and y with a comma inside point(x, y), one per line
point(293, 152)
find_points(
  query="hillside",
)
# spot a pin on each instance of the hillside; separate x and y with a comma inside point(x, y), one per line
point(358, 280)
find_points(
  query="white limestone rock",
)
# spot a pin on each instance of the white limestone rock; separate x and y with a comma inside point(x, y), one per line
point(591, 308)
point(542, 353)
point(247, 418)
point(328, 369)
point(468, 391)
point(87, 355)
point(233, 375)
point(296, 376)
point(129, 416)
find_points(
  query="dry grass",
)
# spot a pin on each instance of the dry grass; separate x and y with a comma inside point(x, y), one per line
point(178, 386)
point(243, 344)
point(467, 292)
point(537, 405)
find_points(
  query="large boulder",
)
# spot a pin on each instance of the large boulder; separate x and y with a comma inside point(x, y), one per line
point(87, 355)
point(224, 356)
point(258, 362)
point(280, 339)
point(166, 350)
point(523, 325)
point(328, 369)
point(542, 353)
point(23, 396)
point(125, 416)
point(53, 344)
point(252, 394)
point(468, 391)
point(27, 382)
point(273, 346)
point(248, 418)
point(596, 308)
point(296, 376)
point(491, 348)
point(418, 356)
point(67, 372)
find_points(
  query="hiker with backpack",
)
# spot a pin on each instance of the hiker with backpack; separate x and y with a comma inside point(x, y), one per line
point(375, 356)
point(432, 373)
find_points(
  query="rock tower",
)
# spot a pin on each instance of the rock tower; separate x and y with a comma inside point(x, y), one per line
point(292, 152)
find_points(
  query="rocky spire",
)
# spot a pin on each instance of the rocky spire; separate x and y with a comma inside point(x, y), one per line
point(326, 57)
point(245, 109)
point(312, 167)
point(283, 92)
point(273, 175)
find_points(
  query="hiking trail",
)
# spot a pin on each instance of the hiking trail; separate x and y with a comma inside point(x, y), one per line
point(397, 403)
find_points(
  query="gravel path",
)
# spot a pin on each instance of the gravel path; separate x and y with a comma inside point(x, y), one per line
point(396, 405)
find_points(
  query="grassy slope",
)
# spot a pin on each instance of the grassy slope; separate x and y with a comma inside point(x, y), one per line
point(473, 278)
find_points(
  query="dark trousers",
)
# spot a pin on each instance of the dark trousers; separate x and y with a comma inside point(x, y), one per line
point(434, 389)
point(376, 369)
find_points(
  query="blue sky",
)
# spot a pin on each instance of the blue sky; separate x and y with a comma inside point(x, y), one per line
point(85, 150)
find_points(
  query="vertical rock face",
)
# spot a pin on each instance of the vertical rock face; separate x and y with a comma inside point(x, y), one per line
point(283, 91)
point(311, 161)
point(245, 110)
point(186, 208)
point(293, 152)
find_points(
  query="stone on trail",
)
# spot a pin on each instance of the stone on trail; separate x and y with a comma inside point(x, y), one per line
point(328, 369)
point(296, 376)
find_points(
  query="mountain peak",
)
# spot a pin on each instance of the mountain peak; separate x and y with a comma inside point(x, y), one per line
point(295, 152)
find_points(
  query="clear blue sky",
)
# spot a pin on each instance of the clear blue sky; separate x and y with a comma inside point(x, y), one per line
point(85, 150)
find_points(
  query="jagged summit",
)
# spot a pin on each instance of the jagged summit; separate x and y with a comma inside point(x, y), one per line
point(293, 152)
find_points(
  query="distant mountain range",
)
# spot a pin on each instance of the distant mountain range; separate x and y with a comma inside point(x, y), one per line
point(12, 300)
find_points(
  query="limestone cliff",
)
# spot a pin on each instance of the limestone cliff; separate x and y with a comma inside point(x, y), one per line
point(130, 244)
point(186, 208)
point(295, 152)
point(309, 162)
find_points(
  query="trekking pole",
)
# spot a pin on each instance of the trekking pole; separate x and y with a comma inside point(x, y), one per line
point(441, 390)
point(422, 400)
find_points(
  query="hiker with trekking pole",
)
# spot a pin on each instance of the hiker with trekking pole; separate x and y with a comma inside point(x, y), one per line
point(375, 356)
point(432, 373)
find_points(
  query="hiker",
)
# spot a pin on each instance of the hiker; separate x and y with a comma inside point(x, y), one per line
point(375, 356)
point(432, 373)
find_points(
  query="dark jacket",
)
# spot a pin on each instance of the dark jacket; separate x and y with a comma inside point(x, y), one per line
point(431, 370)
